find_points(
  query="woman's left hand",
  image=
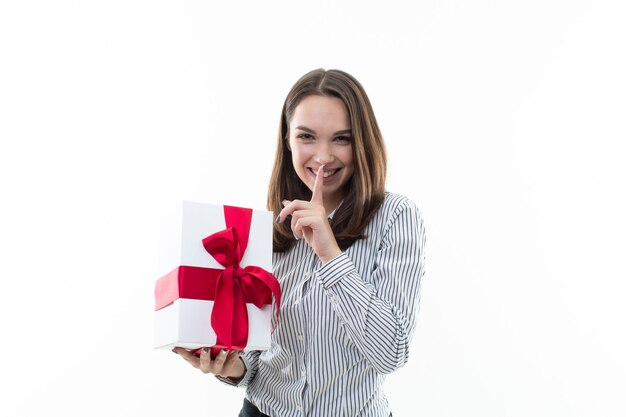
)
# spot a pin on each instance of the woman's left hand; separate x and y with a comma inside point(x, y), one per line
point(309, 221)
point(226, 363)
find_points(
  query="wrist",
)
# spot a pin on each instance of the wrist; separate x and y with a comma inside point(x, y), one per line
point(327, 257)
point(239, 371)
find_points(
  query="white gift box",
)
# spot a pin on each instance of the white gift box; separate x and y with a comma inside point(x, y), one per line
point(186, 321)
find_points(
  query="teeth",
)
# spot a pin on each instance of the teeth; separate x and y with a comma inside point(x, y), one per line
point(329, 173)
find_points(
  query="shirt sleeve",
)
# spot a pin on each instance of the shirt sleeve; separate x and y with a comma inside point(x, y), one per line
point(380, 318)
point(251, 362)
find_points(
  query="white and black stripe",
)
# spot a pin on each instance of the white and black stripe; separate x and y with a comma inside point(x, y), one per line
point(344, 325)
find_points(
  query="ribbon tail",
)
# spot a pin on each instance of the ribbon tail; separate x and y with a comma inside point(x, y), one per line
point(240, 325)
point(229, 317)
point(222, 314)
point(268, 282)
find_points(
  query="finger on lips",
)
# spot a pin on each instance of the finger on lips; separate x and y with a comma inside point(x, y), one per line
point(317, 196)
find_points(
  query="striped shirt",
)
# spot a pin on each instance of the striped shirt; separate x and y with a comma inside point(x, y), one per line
point(344, 325)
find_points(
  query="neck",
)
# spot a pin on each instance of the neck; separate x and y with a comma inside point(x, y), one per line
point(331, 206)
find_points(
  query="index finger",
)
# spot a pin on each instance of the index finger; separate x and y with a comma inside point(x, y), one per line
point(318, 195)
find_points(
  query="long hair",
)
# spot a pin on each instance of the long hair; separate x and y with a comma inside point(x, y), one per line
point(364, 191)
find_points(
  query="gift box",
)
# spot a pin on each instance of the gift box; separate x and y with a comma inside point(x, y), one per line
point(220, 293)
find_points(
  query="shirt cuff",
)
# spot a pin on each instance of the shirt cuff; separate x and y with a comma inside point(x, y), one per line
point(334, 270)
point(244, 380)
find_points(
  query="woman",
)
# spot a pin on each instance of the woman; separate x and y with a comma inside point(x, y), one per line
point(349, 257)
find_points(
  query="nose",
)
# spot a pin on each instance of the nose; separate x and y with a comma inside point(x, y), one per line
point(324, 154)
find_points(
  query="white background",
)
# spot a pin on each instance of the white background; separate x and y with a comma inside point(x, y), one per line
point(504, 120)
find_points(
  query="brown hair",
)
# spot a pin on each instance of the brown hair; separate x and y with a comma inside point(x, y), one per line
point(364, 191)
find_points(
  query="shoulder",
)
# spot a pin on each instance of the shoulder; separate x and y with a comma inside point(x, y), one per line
point(397, 223)
point(395, 204)
point(398, 210)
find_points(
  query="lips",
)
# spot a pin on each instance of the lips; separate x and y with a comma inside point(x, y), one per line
point(327, 172)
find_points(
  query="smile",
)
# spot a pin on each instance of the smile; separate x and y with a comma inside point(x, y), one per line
point(327, 174)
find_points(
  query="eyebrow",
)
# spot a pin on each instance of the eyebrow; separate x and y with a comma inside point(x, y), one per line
point(339, 132)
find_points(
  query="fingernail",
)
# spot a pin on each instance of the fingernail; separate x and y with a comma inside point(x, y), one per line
point(224, 351)
point(284, 202)
point(205, 350)
point(278, 219)
point(174, 351)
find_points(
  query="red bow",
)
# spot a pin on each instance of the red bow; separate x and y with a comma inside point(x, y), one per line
point(235, 285)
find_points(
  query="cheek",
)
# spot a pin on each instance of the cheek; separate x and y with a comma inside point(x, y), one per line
point(346, 156)
point(293, 151)
point(298, 162)
point(298, 155)
point(295, 156)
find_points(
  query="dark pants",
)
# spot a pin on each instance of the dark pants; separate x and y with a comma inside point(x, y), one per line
point(250, 410)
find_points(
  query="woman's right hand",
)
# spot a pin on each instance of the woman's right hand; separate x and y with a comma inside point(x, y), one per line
point(226, 363)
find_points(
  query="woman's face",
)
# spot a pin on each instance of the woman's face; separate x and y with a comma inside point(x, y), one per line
point(320, 134)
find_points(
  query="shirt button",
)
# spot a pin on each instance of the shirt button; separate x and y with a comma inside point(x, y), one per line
point(300, 337)
point(308, 274)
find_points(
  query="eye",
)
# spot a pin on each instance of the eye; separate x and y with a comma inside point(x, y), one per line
point(343, 139)
point(305, 136)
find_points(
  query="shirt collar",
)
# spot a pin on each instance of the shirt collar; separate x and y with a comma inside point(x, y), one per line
point(332, 213)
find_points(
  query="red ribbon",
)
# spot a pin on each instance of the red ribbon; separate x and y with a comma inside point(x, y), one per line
point(231, 288)
point(235, 285)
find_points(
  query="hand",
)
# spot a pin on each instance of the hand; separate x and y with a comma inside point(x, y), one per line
point(309, 220)
point(226, 364)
